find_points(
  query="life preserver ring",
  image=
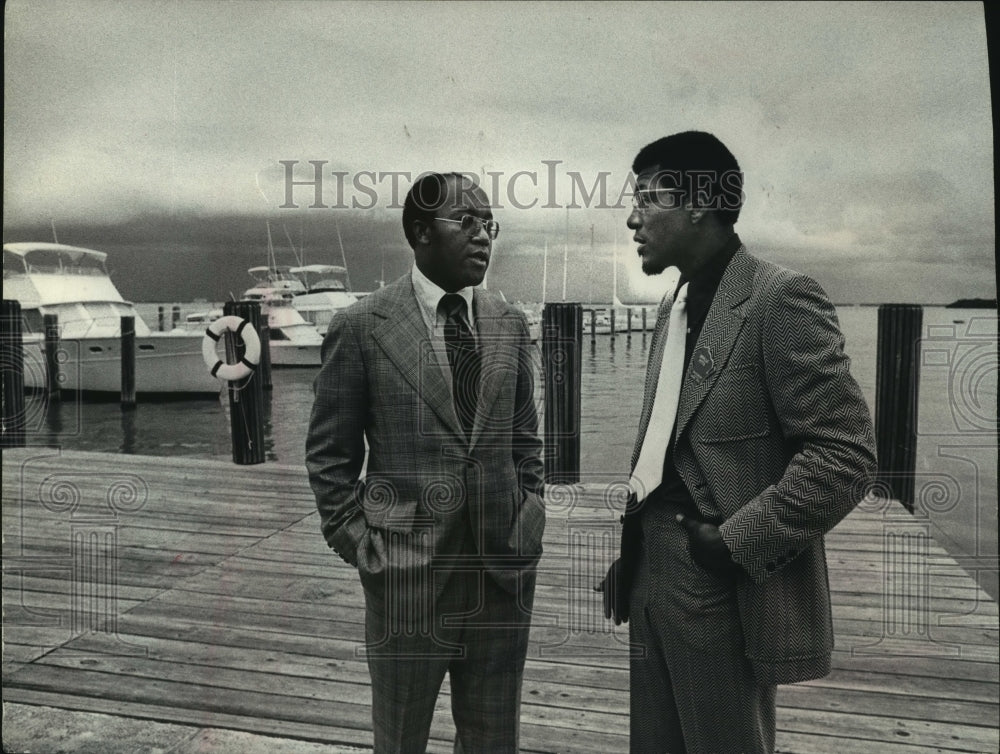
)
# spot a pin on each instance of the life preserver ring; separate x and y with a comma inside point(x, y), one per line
point(251, 358)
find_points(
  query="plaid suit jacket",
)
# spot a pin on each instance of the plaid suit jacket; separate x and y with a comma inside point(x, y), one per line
point(426, 482)
point(774, 436)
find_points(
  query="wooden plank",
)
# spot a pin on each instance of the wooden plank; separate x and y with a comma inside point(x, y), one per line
point(257, 601)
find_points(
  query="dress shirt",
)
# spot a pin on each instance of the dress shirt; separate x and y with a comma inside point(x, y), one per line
point(429, 295)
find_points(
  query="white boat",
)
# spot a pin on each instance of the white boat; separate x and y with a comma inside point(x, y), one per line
point(198, 321)
point(326, 290)
point(73, 283)
point(534, 319)
point(293, 340)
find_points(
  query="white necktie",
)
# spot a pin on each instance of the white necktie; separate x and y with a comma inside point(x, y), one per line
point(648, 472)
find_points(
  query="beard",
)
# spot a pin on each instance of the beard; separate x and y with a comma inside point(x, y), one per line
point(652, 266)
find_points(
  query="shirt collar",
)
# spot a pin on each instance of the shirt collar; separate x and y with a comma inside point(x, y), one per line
point(429, 295)
point(705, 282)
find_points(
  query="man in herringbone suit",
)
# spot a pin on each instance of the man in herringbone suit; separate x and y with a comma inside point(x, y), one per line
point(445, 527)
point(754, 441)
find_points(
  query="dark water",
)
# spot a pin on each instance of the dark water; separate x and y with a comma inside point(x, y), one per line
point(957, 443)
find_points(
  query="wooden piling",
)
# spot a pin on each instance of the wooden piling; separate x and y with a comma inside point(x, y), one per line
point(593, 325)
point(160, 317)
point(628, 321)
point(264, 369)
point(614, 327)
point(175, 317)
point(562, 331)
point(128, 362)
point(897, 379)
point(12, 363)
point(644, 319)
point(246, 396)
point(50, 324)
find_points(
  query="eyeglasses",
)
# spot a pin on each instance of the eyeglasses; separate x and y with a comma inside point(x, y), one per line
point(643, 199)
point(471, 225)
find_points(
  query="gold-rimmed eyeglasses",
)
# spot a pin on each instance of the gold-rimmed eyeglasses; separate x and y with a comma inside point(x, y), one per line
point(471, 225)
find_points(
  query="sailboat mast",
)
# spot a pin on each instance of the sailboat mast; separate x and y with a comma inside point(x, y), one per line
point(565, 255)
point(614, 268)
point(545, 269)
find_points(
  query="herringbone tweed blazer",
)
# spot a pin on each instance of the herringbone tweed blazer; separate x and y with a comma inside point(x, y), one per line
point(774, 436)
point(409, 514)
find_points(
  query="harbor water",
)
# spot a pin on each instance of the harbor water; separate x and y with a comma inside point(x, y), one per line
point(956, 450)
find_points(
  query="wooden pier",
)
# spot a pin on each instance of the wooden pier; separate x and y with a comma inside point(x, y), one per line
point(201, 593)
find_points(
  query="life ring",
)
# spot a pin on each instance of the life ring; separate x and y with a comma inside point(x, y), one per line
point(251, 358)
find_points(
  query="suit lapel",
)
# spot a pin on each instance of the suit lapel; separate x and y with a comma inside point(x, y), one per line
point(402, 336)
point(718, 336)
point(497, 335)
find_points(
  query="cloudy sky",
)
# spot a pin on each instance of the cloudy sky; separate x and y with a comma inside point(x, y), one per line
point(864, 131)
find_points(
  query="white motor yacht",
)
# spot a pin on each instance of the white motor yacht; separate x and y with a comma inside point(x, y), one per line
point(293, 340)
point(325, 291)
point(73, 283)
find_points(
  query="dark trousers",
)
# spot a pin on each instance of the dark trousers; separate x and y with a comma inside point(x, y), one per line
point(692, 688)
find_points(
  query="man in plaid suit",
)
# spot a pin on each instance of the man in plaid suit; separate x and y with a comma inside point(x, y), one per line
point(445, 527)
point(754, 441)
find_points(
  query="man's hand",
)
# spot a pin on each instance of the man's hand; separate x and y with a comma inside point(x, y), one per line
point(708, 548)
point(615, 593)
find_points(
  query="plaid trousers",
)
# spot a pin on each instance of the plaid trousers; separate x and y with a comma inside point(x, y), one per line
point(478, 634)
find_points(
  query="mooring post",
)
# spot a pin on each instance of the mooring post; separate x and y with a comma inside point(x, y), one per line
point(159, 317)
point(628, 321)
point(12, 363)
point(246, 396)
point(644, 319)
point(593, 325)
point(50, 324)
point(265, 354)
point(128, 362)
point(897, 380)
point(562, 331)
point(175, 316)
point(614, 327)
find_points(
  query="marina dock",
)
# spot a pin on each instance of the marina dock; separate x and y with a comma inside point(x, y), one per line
point(200, 594)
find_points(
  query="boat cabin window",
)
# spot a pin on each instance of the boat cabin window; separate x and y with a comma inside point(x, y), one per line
point(276, 333)
point(31, 321)
point(65, 263)
point(12, 265)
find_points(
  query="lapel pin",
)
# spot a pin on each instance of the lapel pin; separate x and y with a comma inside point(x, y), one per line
point(702, 363)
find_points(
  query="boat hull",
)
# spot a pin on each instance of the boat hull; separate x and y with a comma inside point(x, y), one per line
point(290, 355)
point(164, 363)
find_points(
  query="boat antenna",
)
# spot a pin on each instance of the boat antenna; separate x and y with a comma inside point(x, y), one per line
point(55, 238)
point(299, 258)
point(270, 247)
point(343, 257)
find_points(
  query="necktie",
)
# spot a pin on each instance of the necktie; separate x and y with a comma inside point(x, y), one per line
point(648, 471)
point(463, 359)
